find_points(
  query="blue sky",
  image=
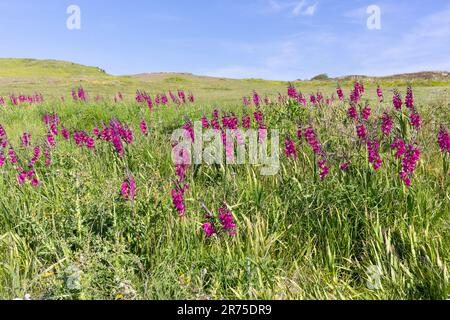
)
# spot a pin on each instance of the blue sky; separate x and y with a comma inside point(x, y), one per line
point(272, 39)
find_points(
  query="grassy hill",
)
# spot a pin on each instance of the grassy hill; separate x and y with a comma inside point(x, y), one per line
point(56, 78)
point(12, 68)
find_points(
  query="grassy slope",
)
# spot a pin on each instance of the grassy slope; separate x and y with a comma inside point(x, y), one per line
point(57, 78)
point(11, 68)
point(297, 237)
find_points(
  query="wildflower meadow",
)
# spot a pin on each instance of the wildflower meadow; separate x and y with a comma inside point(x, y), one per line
point(101, 200)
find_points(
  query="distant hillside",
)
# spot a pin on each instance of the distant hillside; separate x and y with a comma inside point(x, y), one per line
point(19, 68)
point(33, 68)
point(427, 75)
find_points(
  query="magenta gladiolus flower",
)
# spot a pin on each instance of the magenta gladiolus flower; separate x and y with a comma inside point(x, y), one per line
point(229, 148)
point(30, 174)
point(3, 137)
point(290, 149)
point(182, 96)
point(323, 169)
point(47, 155)
point(409, 163)
point(246, 121)
point(246, 101)
point(21, 177)
point(215, 124)
point(360, 87)
point(355, 94)
point(178, 199)
point(258, 115)
point(96, 132)
point(386, 126)
point(227, 225)
point(340, 93)
point(12, 156)
point(380, 94)
point(409, 99)
point(311, 137)
point(365, 113)
point(374, 156)
point(89, 142)
point(209, 229)
point(2, 159)
point(82, 139)
point(205, 122)
point(319, 97)
point(158, 100)
point(117, 144)
point(164, 99)
point(182, 163)
point(77, 136)
point(36, 154)
point(352, 113)
point(361, 131)
point(50, 139)
point(444, 140)
point(129, 188)
point(149, 103)
point(262, 133)
point(301, 99)
point(172, 97)
point(26, 139)
point(226, 220)
point(399, 146)
point(397, 100)
point(144, 127)
point(415, 119)
point(189, 130)
point(256, 99)
point(81, 94)
point(299, 133)
point(65, 133)
point(292, 92)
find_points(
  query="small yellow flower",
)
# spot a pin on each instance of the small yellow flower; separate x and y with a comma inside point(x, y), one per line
point(119, 296)
point(47, 274)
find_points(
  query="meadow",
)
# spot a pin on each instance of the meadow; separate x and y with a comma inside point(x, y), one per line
point(93, 207)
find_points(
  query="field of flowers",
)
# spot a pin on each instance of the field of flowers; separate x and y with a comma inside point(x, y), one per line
point(94, 207)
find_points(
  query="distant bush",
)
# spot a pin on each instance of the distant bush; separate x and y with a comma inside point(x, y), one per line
point(176, 80)
point(322, 76)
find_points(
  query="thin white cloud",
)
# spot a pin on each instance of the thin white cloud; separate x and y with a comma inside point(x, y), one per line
point(356, 14)
point(298, 8)
point(304, 9)
point(295, 8)
point(275, 6)
point(310, 10)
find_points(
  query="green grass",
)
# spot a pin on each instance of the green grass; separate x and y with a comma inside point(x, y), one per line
point(45, 68)
point(297, 237)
